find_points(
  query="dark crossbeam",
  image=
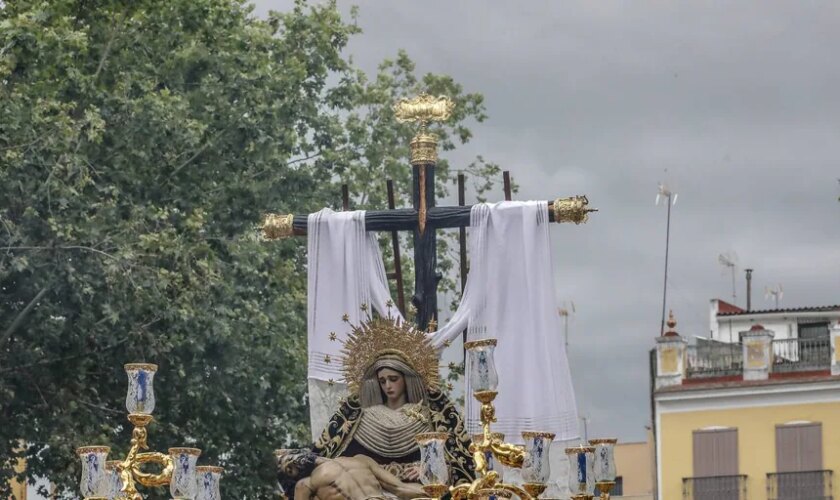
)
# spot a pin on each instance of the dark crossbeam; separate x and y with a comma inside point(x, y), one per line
point(399, 219)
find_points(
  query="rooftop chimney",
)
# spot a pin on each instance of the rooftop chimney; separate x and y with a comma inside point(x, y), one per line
point(749, 288)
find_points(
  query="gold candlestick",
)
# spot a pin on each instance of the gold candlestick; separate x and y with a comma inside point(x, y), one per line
point(604, 488)
point(435, 490)
point(534, 489)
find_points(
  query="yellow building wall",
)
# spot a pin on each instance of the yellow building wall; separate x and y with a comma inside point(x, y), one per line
point(633, 464)
point(756, 442)
point(19, 489)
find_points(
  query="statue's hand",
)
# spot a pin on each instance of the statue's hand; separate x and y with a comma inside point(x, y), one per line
point(411, 474)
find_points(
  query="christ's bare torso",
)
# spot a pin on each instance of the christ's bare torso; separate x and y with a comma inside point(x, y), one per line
point(345, 479)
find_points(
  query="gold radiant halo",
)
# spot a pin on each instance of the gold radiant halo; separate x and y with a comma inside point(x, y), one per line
point(386, 336)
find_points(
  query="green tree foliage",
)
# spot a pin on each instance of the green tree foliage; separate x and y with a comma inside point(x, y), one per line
point(140, 142)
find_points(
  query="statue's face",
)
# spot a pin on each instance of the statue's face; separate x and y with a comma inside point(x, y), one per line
point(392, 384)
point(297, 464)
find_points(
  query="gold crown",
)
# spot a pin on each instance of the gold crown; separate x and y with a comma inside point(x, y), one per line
point(388, 336)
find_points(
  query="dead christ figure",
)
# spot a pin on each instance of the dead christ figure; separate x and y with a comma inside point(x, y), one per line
point(343, 478)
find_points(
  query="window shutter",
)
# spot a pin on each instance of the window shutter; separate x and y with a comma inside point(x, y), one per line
point(799, 447)
point(715, 452)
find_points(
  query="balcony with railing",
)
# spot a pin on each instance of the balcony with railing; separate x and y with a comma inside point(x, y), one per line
point(809, 485)
point(796, 355)
point(715, 488)
point(716, 359)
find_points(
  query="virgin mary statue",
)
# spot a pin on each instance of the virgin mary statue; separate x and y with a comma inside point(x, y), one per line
point(392, 372)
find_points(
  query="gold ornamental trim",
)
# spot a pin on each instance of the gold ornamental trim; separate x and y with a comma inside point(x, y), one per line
point(534, 489)
point(485, 397)
point(423, 149)
point(210, 468)
point(480, 343)
point(112, 464)
point(479, 438)
point(278, 226)
point(494, 492)
point(383, 337)
point(424, 109)
point(93, 449)
point(572, 209)
point(598, 441)
point(425, 437)
point(185, 451)
point(140, 419)
point(141, 366)
point(537, 434)
point(580, 449)
point(435, 491)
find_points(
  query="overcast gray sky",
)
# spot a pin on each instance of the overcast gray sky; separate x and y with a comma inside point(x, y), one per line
point(738, 101)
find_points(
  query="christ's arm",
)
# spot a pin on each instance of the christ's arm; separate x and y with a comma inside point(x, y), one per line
point(303, 490)
point(392, 483)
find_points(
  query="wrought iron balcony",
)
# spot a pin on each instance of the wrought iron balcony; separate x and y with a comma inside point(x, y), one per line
point(795, 355)
point(713, 359)
point(809, 485)
point(715, 488)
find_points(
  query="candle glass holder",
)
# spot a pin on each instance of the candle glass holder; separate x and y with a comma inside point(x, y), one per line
point(482, 366)
point(581, 472)
point(604, 467)
point(434, 471)
point(113, 480)
point(183, 484)
point(93, 483)
point(140, 399)
point(536, 468)
point(208, 478)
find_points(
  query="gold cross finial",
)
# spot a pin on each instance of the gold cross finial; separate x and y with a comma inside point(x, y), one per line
point(424, 109)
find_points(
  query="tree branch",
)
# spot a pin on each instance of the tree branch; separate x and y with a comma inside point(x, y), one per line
point(65, 247)
point(20, 317)
point(198, 152)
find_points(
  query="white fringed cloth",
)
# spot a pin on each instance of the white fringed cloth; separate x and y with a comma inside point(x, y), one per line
point(510, 296)
point(345, 271)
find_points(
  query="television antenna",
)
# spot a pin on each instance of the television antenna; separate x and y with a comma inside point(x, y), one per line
point(565, 312)
point(774, 291)
point(730, 260)
point(665, 194)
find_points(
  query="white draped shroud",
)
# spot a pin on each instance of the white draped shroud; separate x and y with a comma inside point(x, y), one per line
point(509, 296)
point(345, 271)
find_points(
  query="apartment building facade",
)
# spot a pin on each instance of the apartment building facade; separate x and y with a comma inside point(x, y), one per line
point(753, 410)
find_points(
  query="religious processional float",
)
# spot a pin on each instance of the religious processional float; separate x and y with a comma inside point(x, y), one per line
point(591, 467)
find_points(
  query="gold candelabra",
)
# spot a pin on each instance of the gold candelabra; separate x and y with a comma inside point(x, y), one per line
point(118, 479)
point(510, 455)
point(491, 446)
point(590, 467)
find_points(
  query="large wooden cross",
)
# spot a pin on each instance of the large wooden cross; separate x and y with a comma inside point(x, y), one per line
point(424, 218)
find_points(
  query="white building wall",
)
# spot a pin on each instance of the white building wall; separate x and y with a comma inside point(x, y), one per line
point(783, 326)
